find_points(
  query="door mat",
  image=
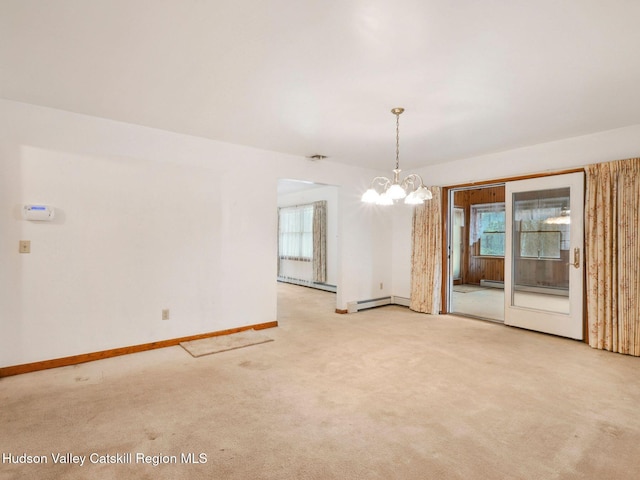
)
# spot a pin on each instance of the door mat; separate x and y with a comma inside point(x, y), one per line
point(224, 343)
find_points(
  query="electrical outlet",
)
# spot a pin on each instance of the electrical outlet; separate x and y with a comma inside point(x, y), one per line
point(25, 246)
point(165, 314)
point(380, 285)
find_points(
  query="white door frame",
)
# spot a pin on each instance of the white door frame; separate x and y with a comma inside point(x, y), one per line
point(563, 324)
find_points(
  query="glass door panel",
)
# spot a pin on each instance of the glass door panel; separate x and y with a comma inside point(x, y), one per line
point(457, 246)
point(541, 240)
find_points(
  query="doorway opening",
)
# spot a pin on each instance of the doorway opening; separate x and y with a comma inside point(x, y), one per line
point(476, 225)
point(515, 252)
point(308, 234)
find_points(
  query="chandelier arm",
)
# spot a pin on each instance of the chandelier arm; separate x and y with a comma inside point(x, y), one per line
point(411, 180)
point(384, 182)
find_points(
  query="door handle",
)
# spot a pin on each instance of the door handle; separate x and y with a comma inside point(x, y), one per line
point(576, 258)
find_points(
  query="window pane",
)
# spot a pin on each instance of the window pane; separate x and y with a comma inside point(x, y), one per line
point(540, 244)
point(492, 243)
point(487, 229)
point(296, 232)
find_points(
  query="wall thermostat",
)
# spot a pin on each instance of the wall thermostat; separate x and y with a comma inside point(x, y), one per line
point(38, 212)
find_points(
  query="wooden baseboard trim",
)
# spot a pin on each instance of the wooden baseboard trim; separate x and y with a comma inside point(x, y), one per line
point(89, 357)
point(338, 310)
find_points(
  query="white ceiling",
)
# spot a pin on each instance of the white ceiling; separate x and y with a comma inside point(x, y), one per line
point(320, 76)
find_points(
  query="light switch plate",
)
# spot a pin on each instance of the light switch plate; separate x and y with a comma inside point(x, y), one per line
point(25, 246)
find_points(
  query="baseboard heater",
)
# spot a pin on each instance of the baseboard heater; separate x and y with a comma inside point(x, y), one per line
point(562, 292)
point(306, 283)
point(492, 283)
point(353, 307)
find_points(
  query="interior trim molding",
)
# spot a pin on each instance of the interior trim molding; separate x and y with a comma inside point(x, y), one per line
point(115, 352)
point(499, 181)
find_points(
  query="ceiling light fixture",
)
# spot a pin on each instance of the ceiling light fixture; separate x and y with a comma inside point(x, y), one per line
point(412, 188)
point(563, 219)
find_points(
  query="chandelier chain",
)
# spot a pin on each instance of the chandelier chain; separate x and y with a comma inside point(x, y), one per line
point(397, 141)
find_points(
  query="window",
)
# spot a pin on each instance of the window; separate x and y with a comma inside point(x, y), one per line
point(302, 242)
point(538, 220)
point(543, 244)
point(296, 233)
point(487, 229)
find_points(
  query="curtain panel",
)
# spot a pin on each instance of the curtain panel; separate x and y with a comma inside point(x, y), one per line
point(426, 255)
point(612, 223)
point(320, 241)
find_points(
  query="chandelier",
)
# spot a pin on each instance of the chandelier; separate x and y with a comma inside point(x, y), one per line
point(563, 219)
point(384, 191)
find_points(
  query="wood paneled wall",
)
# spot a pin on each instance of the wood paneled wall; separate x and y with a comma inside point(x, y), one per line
point(544, 273)
point(475, 268)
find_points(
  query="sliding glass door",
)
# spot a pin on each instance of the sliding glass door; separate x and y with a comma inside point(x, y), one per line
point(544, 254)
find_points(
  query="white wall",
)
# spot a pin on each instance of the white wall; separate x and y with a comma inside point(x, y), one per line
point(543, 158)
point(401, 268)
point(147, 220)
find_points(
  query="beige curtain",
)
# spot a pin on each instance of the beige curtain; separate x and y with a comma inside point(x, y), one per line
point(612, 223)
point(320, 241)
point(426, 255)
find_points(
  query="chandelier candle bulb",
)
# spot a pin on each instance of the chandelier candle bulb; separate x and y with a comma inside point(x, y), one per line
point(412, 188)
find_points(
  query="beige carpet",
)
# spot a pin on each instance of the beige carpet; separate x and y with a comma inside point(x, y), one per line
point(468, 288)
point(224, 343)
point(484, 302)
point(380, 394)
